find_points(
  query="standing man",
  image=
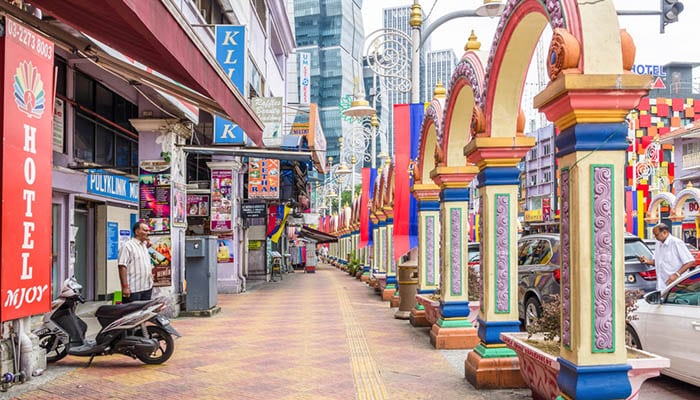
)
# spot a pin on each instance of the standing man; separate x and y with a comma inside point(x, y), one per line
point(135, 266)
point(671, 257)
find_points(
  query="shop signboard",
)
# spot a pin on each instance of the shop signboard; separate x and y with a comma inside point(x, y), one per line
point(155, 195)
point(254, 210)
point(161, 254)
point(533, 215)
point(263, 178)
point(269, 110)
point(59, 111)
point(26, 150)
point(231, 55)
point(112, 240)
point(304, 78)
point(221, 181)
point(197, 205)
point(117, 187)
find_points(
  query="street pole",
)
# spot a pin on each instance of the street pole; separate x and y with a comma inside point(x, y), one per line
point(415, 22)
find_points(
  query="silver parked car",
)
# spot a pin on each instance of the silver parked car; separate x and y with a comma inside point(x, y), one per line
point(539, 275)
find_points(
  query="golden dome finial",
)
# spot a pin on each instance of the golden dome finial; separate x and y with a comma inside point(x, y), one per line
point(472, 43)
point(416, 16)
point(689, 185)
point(439, 90)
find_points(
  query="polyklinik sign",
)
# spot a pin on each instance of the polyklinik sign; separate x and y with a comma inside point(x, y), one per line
point(27, 116)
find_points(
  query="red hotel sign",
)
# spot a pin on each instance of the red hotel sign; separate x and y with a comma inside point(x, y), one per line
point(27, 114)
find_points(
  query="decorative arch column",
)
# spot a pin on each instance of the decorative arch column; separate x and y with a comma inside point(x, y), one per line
point(390, 289)
point(590, 113)
point(427, 195)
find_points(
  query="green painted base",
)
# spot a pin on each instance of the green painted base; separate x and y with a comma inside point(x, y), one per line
point(420, 307)
point(454, 323)
point(494, 352)
point(390, 286)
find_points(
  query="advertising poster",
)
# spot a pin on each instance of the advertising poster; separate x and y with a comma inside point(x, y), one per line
point(112, 240)
point(263, 178)
point(269, 110)
point(221, 180)
point(179, 211)
point(197, 205)
point(154, 195)
point(160, 251)
point(224, 253)
point(26, 152)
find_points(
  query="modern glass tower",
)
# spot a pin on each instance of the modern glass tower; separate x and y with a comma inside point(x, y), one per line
point(438, 68)
point(332, 32)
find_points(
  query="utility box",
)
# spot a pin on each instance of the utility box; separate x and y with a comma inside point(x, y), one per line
point(200, 272)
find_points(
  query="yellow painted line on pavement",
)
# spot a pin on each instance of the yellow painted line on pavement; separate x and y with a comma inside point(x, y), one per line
point(368, 382)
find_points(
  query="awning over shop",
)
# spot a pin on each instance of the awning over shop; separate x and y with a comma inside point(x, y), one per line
point(303, 156)
point(156, 34)
point(318, 236)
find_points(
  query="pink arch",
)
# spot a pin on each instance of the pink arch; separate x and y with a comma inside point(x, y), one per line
point(559, 13)
point(432, 122)
point(469, 74)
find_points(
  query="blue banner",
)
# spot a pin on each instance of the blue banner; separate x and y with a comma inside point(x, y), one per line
point(417, 111)
point(112, 240)
point(114, 186)
point(231, 55)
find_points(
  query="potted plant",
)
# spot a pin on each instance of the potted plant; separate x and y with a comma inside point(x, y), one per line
point(538, 351)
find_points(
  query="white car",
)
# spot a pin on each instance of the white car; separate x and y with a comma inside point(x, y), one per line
point(668, 324)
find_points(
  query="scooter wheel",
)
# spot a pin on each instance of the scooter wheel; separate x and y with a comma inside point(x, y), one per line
point(166, 346)
point(54, 346)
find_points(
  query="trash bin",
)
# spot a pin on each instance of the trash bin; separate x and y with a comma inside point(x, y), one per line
point(200, 272)
point(408, 286)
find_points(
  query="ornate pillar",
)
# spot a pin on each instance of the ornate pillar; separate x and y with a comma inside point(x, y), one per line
point(676, 226)
point(428, 196)
point(453, 330)
point(590, 115)
point(493, 365)
point(390, 288)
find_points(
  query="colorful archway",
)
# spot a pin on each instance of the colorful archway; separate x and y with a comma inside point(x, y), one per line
point(590, 92)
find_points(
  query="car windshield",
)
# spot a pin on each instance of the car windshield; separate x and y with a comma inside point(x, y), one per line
point(635, 248)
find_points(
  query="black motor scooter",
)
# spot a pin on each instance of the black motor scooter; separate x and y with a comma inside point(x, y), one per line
point(137, 329)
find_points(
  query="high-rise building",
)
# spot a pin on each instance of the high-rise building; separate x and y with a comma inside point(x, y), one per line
point(332, 32)
point(438, 68)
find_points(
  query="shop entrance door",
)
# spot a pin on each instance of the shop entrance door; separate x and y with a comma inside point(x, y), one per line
point(85, 248)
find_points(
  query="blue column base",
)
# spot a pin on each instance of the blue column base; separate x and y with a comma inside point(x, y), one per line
point(365, 269)
point(426, 291)
point(490, 331)
point(600, 382)
point(454, 309)
point(391, 280)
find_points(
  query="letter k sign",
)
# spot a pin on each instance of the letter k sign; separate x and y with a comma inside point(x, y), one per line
point(227, 132)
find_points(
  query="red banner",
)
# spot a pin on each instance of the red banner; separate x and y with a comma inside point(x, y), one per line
point(364, 209)
point(25, 245)
point(402, 188)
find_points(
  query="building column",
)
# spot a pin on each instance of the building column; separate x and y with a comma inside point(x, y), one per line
point(592, 145)
point(453, 330)
point(492, 365)
point(428, 196)
point(676, 227)
point(390, 288)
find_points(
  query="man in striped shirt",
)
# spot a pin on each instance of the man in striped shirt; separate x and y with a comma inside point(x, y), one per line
point(135, 266)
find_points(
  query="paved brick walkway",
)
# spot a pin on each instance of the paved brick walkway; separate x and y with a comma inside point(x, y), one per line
point(310, 336)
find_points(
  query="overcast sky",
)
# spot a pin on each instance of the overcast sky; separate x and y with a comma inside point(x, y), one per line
point(677, 44)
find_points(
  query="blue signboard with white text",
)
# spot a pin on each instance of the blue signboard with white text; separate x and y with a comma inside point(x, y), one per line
point(231, 55)
point(112, 186)
point(112, 240)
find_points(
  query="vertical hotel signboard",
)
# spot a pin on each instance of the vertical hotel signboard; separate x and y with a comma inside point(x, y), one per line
point(25, 245)
point(304, 78)
point(231, 55)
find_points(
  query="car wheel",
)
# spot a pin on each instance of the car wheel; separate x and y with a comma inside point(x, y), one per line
point(631, 338)
point(533, 310)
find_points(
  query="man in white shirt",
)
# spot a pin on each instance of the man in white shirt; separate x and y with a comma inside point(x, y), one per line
point(671, 257)
point(135, 268)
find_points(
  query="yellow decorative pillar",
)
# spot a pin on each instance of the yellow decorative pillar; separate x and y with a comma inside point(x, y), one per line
point(453, 330)
point(590, 115)
point(493, 365)
point(428, 197)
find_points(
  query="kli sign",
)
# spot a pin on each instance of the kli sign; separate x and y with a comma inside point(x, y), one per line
point(25, 244)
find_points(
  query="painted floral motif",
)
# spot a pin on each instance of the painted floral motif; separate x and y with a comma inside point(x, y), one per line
point(456, 250)
point(565, 259)
point(502, 250)
point(603, 257)
point(481, 251)
point(430, 249)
